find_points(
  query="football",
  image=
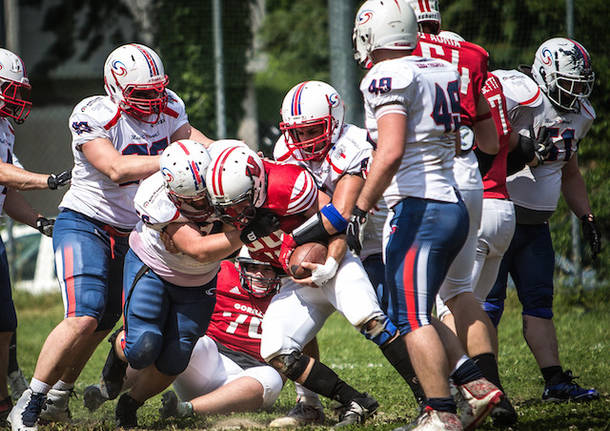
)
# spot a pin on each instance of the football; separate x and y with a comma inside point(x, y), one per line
point(313, 252)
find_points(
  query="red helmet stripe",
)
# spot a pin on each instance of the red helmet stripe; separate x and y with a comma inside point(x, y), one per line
point(583, 52)
point(217, 172)
point(152, 66)
point(427, 5)
point(296, 99)
point(183, 148)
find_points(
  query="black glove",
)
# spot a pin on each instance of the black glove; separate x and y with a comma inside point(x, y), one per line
point(263, 224)
point(542, 144)
point(45, 226)
point(355, 230)
point(592, 234)
point(59, 180)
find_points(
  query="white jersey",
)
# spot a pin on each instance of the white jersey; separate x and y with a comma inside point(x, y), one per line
point(539, 188)
point(7, 142)
point(91, 192)
point(157, 211)
point(428, 90)
point(350, 155)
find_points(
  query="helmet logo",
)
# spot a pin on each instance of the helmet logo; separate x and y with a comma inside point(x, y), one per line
point(119, 68)
point(547, 56)
point(333, 99)
point(167, 174)
point(252, 169)
point(365, 16)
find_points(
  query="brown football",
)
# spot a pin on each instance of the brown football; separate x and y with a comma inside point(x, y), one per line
point(313, 252)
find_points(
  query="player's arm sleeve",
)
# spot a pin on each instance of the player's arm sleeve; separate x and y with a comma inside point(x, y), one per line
point(385, 86)
point(86, 125)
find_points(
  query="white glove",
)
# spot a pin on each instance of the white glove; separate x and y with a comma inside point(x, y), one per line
point(323, 273)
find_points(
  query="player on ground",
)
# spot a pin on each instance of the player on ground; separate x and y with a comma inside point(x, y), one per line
point(413, 114)
point(337, 154)
point(298, 312)
point(226, 372)
point(116, 140)
point(15, 103)
point(550, 114)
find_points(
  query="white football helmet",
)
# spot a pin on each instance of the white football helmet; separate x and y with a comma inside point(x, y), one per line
point(383, 24)
point(305, 106)
point(451, 35)
point(562, 69)
point(253, 280)
point(15, 87)
point(236, 183)
point(184, 164)
point(427, 12)
point(135, 79)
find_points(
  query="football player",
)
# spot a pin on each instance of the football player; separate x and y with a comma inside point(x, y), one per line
point(15, 104)
point(413, 114)
point(226, 372)
point(169, 297)
point(337, 154)
point(242, 185)
point(116, 141)
point(550, 114)
point(471, 324)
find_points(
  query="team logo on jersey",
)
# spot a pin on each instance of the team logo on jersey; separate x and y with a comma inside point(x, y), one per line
point(547, 56)
point(119, 68)
point(365, 16)
point(167, 174)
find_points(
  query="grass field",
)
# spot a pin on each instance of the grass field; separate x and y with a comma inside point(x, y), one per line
point(582, 326)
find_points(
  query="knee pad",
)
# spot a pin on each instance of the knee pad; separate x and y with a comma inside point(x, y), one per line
point(494, 311)
point(379, 330)
point(144, 351)
point(542, 313)
point(292, 365)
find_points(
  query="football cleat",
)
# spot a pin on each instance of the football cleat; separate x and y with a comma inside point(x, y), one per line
point(568, 390)
point(475, 400)
point(300, 415)
point(113, 374)
point(433, 420)
point(93, 397)
point(18, 384)
point(56, 408)
point(24, 415)
point(504, 414)
point(126, 412)
point(357, 411)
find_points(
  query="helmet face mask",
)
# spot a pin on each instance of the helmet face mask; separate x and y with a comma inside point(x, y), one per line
point(238, 212)
point(562, 69)
point(257, 278)
point(312, 119)
point(15, 87)
point(134, 78)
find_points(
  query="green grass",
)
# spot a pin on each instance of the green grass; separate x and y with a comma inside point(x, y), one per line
point(582, 326)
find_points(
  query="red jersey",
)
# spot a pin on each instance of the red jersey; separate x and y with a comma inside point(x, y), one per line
point(236, 320)
point(471, 61)
point(494, 182)
point(291, 191)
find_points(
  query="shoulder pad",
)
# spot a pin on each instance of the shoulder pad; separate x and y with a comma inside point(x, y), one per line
point(399, 71)
point(281, 152)
point(586, 109)
point(152, 204)
point(175, 105)
point(350, 150)
point(475, 49)
point(95, 111)
point(519, 89)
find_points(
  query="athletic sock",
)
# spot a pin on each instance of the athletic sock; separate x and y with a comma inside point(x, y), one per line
point(489, 368)
point(466, 372)
point(325, 381)
point(39, 386)
point(398, 356)
point(552, 375)
point(63, 386)
point(442, 404)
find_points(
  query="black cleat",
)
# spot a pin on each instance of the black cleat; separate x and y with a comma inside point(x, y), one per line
point(568, 390)
point(113, 374)
point(358, 410)
point(125, 414)
point(504, 414)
